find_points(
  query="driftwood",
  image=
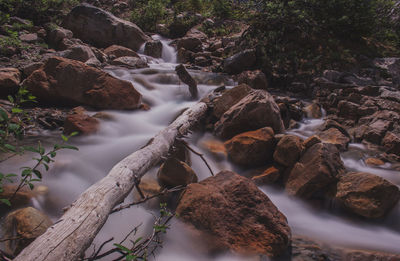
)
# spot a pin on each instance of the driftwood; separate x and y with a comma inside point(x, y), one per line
point(73, 233)
point(185, 77)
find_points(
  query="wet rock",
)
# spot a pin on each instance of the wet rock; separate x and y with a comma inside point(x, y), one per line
point(102, 29)
point(288, 150)
point(67, 82)
point(162, 29)
point(240, 62)
point(335, 137)
point(391, 142)
point(21, 198)
point(9, 81)
point(120, 51)
point(266, 176)
point(190, 43)
point(240, 216)
point(376, 131)
point(256, 110)
point(348, 110)
point(255, 79)
point(130, 62)
point(374, 162)
point(26, 224)
point(153, 49)
point(316, 172)
point(313, 110)
point(30, 68)
point(215, 147)
point(230, 98)
point(252, 148)
point(80, 122)
point(366, 194)
point(174, 173)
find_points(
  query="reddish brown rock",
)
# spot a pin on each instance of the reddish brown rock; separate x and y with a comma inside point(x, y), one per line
point(255, 79)
point(257, 110)
point(374, 162)
point(266, 176)
point(190, 43)
point(153, 49)
point(313, 110)
point(311, 141)
point(253, 148)
point(366, 194)
point(215, 147)
point(230, 98)
point(233, 210)
point(316, 172)
point(174, 173)
point(391, 142)
point(81, 123)
point(66, 82)
point(120, 51)
point(130, 62)
point(335, 137)
point(9, 81)
point(288, 150)
point(25, 225)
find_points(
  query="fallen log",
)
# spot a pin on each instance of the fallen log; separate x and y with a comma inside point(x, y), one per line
point(185, 77)
point(73, 233)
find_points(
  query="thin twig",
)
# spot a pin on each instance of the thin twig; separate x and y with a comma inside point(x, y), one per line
point(200, 155)
point(100, 248)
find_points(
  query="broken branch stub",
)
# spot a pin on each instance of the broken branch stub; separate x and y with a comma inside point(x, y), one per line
point(185, 77)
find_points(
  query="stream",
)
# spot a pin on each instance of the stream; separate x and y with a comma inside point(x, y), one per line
point(73, 172)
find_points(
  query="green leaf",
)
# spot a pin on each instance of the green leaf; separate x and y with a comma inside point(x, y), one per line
point(13, 127)
point(63, 146)
point(74, 134)
point(10, 147)
point(41, 149)
point(10, 98)
point(131, 257)
point(65, 138)
point(3, 115)
point(46, 166)
point(31, 186)
point(122, 248)
point(37, 173)
point(30, 148)
point(26, 172)
point(46, 159)
point(5, 201)
point(16, 110)
point(53, 154)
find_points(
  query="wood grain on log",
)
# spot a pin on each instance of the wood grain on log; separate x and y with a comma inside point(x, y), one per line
point(73, 233)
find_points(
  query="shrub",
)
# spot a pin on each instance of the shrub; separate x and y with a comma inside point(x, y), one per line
point(147, 15)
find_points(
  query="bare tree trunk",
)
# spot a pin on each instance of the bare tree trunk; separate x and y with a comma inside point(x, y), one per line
point(185, 77)
point(73, 233)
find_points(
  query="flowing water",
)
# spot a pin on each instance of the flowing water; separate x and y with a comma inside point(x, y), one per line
point(74, 172)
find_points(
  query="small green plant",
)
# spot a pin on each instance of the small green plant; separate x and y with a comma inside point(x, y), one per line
point(147, 15)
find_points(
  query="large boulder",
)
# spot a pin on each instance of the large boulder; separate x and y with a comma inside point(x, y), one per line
point(102, 29)
point(366, 194)
point(25, 225)
point(255, 79)
point(256, 110)
point(120, 51)
point(78, 52)
point(230, 98)
point(190, 43)
point(317, 171)
point(66, 82)
point(153, 49)
point(9, 81)
point(240, 62)
point(240, 216)
point(335, 137)
point(391, 142)
point(252, 148)
point(288, 150)
point(130, 62)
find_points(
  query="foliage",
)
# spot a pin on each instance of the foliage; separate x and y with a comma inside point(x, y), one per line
point(222, 8)
point(299, 36)
point(13, 126)
point(147, 14)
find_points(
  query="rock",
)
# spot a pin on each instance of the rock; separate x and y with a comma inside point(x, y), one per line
point(57, 35)
point(335, 137)
point(255, 79)
point(9, 81)
point(313, 110)
point(80, 122)
point(308, 143)
point(374, 162)
point(30, 68)
point(316, 172)
point(366, 194)
point(63, 81)
point(22, 197)
point(173, 173)
point(215, 147)
point(195, 33)
point(102, 29)
point(391, 142)
point(240, 62)
point(240, 216)
point(120, 51)
point(288, 150)
point(81, 53)
point(252, 148)
point(376, 130)
point(256, 110)
point(267, 176)
point(130, 62)
point(29, 38)
point(26, 224)
point(348, 110)
point(162, 29)
point(190, 43)
point(153, 49)
point(230, 98)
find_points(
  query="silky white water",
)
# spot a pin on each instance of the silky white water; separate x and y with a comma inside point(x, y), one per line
point(73, 172)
